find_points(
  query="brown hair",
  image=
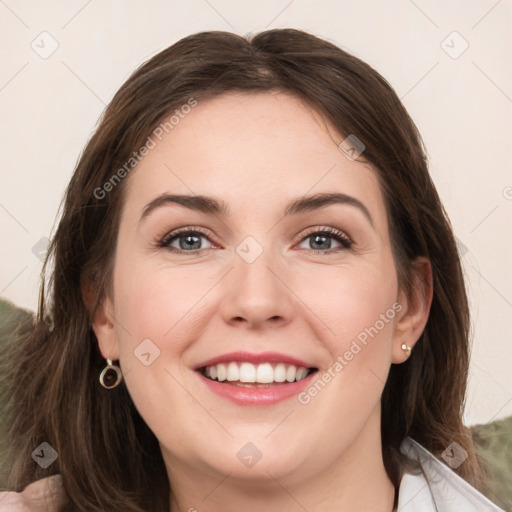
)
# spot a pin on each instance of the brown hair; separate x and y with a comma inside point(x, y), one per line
point(108, 457)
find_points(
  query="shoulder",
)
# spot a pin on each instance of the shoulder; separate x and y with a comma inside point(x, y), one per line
point(45, 495)
point(437, 487)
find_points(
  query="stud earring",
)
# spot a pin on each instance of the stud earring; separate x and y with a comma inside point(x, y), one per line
point(111, 375)
point(406, 348)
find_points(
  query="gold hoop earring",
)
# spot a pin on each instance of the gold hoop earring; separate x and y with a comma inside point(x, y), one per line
point(407, 349)
point(110, 376)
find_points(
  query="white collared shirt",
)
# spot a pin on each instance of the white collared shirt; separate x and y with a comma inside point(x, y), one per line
point(438, 488)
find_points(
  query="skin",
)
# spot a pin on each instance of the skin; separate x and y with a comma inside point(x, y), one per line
point(257, 152)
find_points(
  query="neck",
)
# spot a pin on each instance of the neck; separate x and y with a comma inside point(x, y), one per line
point(356, 480)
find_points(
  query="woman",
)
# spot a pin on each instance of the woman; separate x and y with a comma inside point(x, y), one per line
point(256, 300)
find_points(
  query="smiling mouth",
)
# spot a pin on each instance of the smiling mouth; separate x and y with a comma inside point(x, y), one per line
point(249, 375)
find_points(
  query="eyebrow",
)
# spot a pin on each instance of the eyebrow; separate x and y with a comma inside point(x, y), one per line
point(214, 206)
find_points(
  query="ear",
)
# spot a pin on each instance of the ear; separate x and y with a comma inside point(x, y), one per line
point(104, 329)
point(413, 316)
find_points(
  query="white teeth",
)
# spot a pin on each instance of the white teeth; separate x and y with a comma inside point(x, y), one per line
point(247, 372)
point(280, 373)
point(221, 372)
point(291, 372)
point(264, 373)
point(233, 372)
point(301, 373)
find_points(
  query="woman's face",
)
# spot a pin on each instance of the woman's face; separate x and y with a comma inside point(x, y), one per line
point(256, 282)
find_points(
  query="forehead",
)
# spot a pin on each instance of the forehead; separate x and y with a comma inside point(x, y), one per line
point(252, 150)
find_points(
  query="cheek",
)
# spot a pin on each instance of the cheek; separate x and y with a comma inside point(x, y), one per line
point(155, 301)
point(352, 303)
point(356, 314)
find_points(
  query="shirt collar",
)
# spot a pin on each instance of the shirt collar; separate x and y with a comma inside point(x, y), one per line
point(436, 487)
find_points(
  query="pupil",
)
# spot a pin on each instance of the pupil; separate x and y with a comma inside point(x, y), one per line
point(324, 238)
point(189, 242)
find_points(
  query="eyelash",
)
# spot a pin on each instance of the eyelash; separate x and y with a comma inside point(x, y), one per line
point(336, 234)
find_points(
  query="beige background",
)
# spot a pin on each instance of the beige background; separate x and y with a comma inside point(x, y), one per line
point(462, 104)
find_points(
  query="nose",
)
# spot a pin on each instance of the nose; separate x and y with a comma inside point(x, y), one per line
point(257, 294)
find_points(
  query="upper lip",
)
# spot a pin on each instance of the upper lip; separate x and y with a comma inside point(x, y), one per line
point(262, 357)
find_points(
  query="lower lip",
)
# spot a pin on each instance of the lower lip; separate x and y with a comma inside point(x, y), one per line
point(242, 395)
